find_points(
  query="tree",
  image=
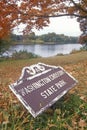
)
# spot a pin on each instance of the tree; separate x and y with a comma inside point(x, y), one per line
point(83, 27)
point(8, 17)
point(36, 13)
point(4, 46)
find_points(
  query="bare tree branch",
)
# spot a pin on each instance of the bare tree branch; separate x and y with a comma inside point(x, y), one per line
point(60, 15)
point(79, 7)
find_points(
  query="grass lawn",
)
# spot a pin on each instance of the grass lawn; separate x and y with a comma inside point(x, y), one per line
point(69, 113)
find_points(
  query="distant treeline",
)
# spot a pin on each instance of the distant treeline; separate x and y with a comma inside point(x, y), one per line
point(50, 38)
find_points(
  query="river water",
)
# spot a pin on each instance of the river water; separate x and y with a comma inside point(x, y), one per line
point(45, 50)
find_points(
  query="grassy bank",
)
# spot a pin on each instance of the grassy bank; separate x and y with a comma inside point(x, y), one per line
point(69, 113)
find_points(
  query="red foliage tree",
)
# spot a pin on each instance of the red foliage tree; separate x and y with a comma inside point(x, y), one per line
point(36, 13)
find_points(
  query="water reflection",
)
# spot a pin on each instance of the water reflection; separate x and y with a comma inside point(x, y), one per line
point(45, 50)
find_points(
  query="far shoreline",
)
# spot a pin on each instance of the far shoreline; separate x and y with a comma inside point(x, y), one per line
point(45, 43)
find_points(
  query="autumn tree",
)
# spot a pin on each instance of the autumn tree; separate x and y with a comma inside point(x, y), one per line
point(36, 13)
point(8, 17)
point(83, 28)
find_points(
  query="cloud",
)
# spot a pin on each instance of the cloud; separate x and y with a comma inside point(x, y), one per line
point(61, 25)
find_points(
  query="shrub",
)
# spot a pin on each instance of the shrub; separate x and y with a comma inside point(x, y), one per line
point(23, 55)
point(4, 46)
point(84, 47)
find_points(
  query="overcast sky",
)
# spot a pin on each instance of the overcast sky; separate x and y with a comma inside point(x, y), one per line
point(61, 25)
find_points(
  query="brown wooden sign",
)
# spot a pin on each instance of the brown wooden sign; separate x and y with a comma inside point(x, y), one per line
point(41, 85)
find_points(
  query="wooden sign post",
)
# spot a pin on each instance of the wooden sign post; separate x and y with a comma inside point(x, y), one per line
point(41, 85)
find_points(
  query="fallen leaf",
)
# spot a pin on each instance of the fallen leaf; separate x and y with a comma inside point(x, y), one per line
point(82, 123)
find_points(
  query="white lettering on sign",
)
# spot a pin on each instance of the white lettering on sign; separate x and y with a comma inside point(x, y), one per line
point(60, 84)
point(34, 69)
point(38, 84)
point(56, 75)
point(34, 86)
point(51, 90)
point(48, 92)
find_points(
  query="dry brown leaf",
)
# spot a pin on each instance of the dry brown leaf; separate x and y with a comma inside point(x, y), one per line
point(82, 123)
